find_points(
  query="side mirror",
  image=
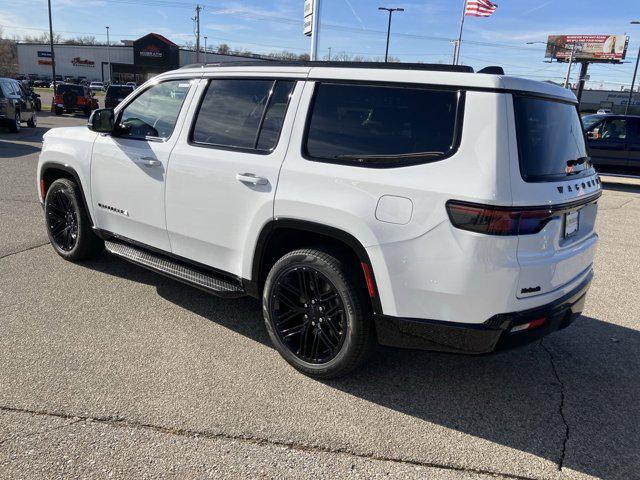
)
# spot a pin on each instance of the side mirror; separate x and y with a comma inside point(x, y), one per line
point(102, 120)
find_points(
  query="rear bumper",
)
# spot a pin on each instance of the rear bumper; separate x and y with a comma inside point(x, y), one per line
point(497, 333)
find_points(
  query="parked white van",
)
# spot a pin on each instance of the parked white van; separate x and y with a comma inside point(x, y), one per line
point(420, 206)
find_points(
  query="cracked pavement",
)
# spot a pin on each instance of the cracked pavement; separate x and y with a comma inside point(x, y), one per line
point(107, 369)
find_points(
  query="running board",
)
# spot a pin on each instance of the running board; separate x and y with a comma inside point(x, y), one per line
point(175, 269)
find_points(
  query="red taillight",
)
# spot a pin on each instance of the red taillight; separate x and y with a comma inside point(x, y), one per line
point(42, 192)
point(492, 220)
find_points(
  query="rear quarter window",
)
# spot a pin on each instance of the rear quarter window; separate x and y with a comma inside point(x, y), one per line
point(382, 125)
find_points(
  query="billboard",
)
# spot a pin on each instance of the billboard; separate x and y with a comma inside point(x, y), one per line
point(590, 48)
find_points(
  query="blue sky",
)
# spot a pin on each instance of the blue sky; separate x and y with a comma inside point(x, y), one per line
point(356, 27)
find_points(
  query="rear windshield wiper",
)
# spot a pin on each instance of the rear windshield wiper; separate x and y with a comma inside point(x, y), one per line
point(383, 158)
point(578, 161)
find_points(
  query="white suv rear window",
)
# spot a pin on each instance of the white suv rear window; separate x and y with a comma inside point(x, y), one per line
point(550, 139)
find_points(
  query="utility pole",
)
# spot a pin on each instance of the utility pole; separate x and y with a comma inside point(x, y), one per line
point(315, 32)
point(53, 55)
point(390, 10)
point(567, 78)
point(197, 20)
point(205, 49)
point(635, 73)
point(108, 54)
point(329, 53)
point(583, 78)
point(633, 84)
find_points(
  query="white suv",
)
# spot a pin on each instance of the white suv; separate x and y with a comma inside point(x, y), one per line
point(408, 205)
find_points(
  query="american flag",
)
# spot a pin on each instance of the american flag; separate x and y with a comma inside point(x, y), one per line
point(480, 8)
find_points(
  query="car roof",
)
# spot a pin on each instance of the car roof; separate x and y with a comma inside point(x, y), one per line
point(489, 79)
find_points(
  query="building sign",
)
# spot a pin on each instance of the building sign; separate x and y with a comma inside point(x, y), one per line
point(151, 51)
point(79, 62)
point(589, 48)
point(44, 54)
point(45, 62)
point(156, 52)
point(309, 7)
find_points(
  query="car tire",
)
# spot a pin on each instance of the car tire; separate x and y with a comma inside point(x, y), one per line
point(33, 121)
point(321, 325)
point(14, 127)
point(68, 224)
point(58, 111)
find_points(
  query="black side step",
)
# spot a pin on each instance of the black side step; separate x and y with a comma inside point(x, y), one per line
point(176, 269)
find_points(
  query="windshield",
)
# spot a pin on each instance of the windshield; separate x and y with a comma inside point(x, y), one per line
point(119, 92)
point(550, 139)
point(70, 88)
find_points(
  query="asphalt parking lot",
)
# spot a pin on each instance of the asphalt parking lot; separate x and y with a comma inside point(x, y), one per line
point(109, 370)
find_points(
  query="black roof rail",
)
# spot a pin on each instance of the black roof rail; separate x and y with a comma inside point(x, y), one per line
point(434, 67)
point(492, 70)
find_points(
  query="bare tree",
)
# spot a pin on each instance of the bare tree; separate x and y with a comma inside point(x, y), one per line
point(223, 49)
point(8, 56)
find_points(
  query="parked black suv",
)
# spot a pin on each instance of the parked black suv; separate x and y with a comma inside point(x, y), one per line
point(115, 94)
point(16, 105)
point(614, 143)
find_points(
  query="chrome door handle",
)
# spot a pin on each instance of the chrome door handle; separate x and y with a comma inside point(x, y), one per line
point(251, 179)
point(149, 162)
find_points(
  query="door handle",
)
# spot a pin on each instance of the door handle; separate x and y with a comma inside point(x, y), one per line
point(251, 179)
point(149, 162)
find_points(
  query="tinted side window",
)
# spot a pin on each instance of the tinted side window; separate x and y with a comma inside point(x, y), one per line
point(611, 130)
point(381, 125)
point(245, 114)
point(155, 111)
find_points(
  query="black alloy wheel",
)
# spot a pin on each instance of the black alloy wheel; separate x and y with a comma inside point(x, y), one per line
point(62, 220)
point(309, 314)
point(317, 312)
point(68, 223)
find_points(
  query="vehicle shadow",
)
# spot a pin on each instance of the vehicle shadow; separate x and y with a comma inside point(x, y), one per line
point(10, 149)
point(621, 186)
point(588, 374)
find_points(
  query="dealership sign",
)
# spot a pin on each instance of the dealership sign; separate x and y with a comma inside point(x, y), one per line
point(309, 7)
point(151, 51)
point(44, 54)
point(588, 48)
point(79, 62)
point(45, 62)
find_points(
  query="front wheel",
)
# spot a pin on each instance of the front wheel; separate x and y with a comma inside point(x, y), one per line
point(68, 224)
point(316, 314)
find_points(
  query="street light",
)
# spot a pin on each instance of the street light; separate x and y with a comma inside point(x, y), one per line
point(390, 10)
point(108, 54)
point(635, 72)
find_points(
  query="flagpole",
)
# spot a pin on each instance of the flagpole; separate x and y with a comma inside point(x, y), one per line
point(456, 53)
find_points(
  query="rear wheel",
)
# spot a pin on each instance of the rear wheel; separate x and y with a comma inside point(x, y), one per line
point(59, 110)
point(68, 224)
point(33, 121)
point(14, 127)
point(316, 314)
